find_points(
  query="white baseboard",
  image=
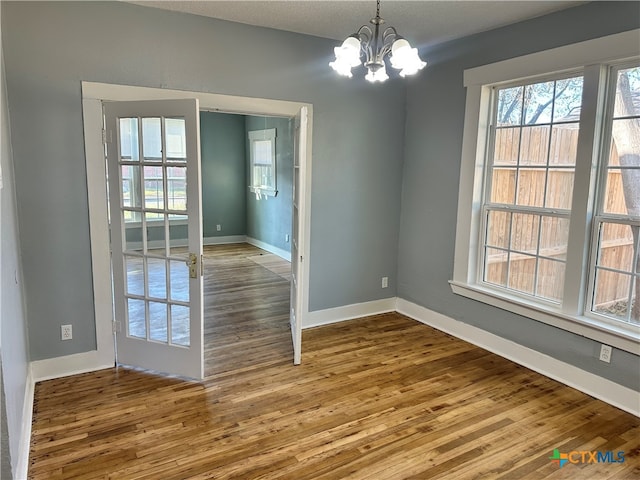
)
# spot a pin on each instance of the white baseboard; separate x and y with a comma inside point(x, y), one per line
point(348, 312)
point(270, 248)
point(224, 240)
point(68, 365)
point(22, 465)
point(610, 392)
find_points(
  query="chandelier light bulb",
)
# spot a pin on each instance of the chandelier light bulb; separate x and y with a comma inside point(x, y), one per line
point(405, 58)
point(350, 50)
point(399, 45)
point(377, 73)
point(341, 67)
point(347, 56)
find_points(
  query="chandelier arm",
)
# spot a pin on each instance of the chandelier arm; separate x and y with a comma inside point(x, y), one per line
point(389, 36)
point(364, 30)
point(365, 34)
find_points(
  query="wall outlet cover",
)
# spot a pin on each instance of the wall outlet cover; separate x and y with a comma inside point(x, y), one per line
point(605, 353)
point(66, 332)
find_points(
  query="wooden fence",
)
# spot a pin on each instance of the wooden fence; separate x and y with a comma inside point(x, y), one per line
point(552, 232)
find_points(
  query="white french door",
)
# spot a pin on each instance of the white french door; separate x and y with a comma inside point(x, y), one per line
point(297, 235)
point(153, 156)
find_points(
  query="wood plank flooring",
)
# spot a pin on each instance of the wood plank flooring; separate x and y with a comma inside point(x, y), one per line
point(382, 397)
point(246, 307)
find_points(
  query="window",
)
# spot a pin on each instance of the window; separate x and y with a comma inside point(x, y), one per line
point(549, 202)
point(262, 150)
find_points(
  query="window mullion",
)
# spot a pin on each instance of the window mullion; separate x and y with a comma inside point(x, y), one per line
point(584, 184)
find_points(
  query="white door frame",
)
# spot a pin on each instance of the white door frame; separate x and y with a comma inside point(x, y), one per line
point(92, 96)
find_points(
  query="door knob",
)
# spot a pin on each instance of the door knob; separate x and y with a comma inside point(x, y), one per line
point(192, 263)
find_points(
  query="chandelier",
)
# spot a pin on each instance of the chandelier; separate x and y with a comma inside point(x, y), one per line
point(367, 41)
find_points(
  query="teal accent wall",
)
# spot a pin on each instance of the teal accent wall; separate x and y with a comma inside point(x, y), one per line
point(224, 200)
point(269, 218)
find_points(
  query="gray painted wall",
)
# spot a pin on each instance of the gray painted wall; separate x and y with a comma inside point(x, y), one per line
point(223, 174)
point(14, 351)
point(51, 46)
point(269, 219)
point(435, 114)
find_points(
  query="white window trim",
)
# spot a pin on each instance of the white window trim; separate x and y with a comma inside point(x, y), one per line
point(268, 134)
point(583, 55)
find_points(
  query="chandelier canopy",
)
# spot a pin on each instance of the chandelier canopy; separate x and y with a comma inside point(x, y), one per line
point(375, 47)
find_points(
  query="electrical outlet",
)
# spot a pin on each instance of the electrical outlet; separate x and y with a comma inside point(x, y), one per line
point(605, 353)
point(218, 227)
point(385, 282)
point(66, 332)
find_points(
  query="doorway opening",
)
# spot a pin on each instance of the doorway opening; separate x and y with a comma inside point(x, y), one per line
point(247, 198)
point(94, 94)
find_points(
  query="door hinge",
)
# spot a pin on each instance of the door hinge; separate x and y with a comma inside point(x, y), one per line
point(107, 137)
point(202, 265)
point(117, 326)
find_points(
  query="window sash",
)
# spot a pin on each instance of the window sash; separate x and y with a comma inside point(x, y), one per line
point(262, 148)
point(602, 217)
point(489, 170)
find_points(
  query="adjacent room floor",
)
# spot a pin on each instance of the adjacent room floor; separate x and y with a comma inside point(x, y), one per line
point(382, 397)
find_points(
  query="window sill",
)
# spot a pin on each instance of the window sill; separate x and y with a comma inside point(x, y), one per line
point(262, 191)
point(623, 336)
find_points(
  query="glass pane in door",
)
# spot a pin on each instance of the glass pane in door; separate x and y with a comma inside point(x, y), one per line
point(158, 321)
point(136, 318)
point(180, 325)
point(152, 139)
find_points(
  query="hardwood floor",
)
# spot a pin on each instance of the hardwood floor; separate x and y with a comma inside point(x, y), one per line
point(246, 307)
point(382, 397)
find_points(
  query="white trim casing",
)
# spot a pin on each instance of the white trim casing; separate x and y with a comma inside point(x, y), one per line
point(610, 392)
point(224, 240)
point(69, 365)
point(319, 318)
point(24, 446)
point(470, 196)
point(269, 248)
point(99, 235)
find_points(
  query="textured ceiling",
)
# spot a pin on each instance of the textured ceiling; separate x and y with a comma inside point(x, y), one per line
point(421, 22)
